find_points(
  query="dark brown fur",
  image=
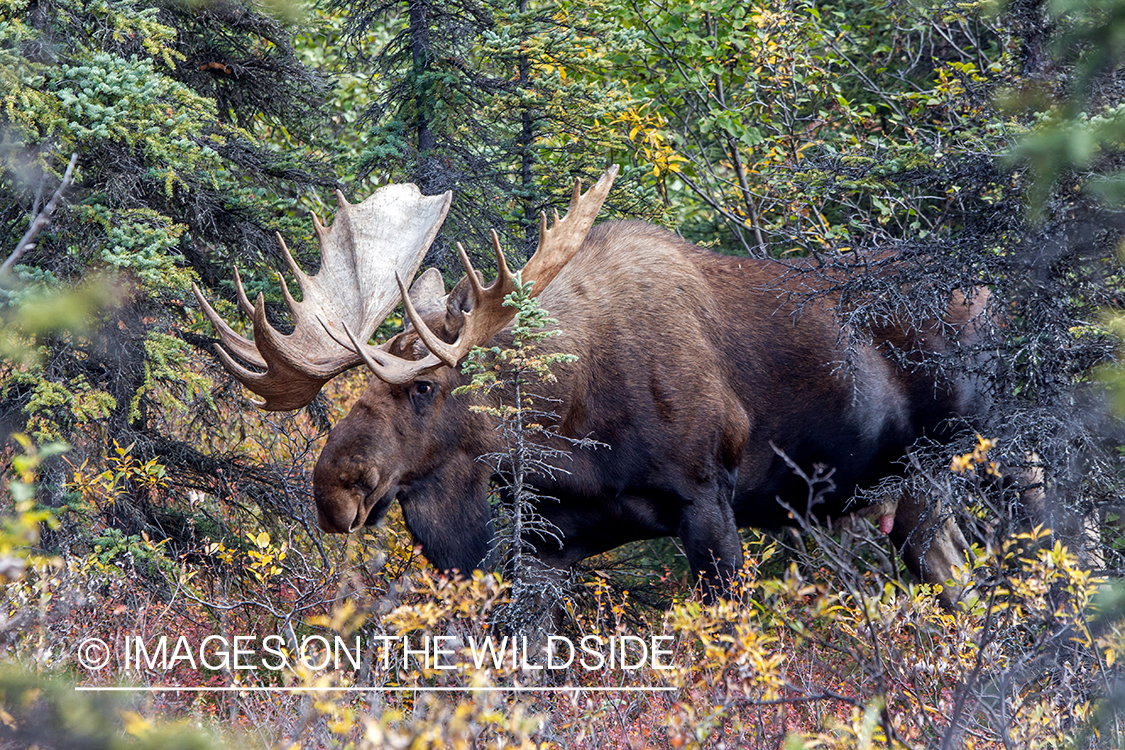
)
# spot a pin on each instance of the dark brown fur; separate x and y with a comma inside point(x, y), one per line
point(691, 368)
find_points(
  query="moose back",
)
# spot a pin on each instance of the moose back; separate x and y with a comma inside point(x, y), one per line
point(694, 370)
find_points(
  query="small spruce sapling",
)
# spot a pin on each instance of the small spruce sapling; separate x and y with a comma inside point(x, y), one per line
point(505, 381)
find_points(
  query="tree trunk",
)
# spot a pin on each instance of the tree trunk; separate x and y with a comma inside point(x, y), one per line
point(524, 144)
point(420, 59)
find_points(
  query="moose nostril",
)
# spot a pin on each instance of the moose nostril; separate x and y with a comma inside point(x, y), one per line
point(343, 499)
point(360, 518)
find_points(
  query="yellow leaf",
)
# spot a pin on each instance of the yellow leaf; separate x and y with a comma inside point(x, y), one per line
point(263, 540)
point(135, 724)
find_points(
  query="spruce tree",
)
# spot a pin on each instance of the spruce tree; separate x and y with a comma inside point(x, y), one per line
point(175, 112)
point(504, 102)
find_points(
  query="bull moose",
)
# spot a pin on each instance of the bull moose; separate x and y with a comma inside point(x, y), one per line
point(694, 370)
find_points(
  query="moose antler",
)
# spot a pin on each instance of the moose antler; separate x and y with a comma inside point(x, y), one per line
point(488, 314)
point(368, 243)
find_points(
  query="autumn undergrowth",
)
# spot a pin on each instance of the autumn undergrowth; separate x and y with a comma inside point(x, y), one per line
point(804, 654)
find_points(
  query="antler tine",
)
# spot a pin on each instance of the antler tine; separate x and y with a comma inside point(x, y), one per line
point(359, 347)
point(557, 245)
point(241, 346)
point(391, 369)
point(439, 348)
point(240, 291)
point(503, 275)
point(302, 278)
point(470, 272)
point(321, 232)
point(241, 374)
point(367, 244)
point(292, 303)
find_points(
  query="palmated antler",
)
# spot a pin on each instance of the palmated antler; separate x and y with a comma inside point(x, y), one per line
point(487, 314)
point(385, 236)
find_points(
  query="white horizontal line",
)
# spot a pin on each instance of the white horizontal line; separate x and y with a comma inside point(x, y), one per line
point(395, 689)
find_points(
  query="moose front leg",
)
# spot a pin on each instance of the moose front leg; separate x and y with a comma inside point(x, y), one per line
point(710, 537)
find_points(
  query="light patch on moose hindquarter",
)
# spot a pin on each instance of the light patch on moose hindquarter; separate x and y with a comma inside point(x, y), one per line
point(878, 402)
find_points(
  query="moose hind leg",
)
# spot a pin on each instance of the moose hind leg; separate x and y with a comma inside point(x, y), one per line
point(931, 542)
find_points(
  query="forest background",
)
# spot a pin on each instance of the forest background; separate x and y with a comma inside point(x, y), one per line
point(979, 143)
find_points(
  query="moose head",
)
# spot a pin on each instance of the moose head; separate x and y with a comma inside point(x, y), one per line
point(406, 438)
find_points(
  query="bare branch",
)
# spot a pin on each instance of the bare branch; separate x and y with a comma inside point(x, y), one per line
point(41, 219)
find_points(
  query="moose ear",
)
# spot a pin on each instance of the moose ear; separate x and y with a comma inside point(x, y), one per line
point(428, 296)
point(428, 292)
point(461, 298)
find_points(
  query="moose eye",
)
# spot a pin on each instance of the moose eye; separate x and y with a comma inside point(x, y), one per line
point(422, 395)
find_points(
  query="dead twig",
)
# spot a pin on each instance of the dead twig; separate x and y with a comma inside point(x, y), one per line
point(41, 219)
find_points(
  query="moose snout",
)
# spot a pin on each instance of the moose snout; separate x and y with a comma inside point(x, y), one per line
point(337, 518)
point(342, 489)
point(346, 503)
point(341, 506)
